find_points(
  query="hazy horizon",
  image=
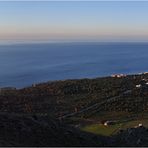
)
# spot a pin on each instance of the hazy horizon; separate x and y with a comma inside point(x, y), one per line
point(96, 21)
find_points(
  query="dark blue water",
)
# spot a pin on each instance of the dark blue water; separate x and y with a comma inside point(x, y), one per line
point(24, 64)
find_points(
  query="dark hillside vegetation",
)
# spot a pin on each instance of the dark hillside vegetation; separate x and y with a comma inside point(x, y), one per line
point(42, 112)
point(22, 130)
point(63, 97)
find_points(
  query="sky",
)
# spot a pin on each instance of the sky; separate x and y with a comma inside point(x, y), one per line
point(73, 21)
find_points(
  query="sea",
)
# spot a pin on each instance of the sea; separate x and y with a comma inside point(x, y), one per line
point(22, 65)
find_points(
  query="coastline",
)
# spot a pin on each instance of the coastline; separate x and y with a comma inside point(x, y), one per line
point(117, 75)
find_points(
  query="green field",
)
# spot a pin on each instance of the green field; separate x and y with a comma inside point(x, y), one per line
point(113, 129)
point(101, 129)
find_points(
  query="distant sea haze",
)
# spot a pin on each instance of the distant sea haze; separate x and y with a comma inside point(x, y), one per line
point(25, 64)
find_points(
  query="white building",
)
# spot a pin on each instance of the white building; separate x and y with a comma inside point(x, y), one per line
point(138, 86)
point(118, 75)
point(140, 125)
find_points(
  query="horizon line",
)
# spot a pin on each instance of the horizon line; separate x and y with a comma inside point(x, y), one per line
point(52, 42)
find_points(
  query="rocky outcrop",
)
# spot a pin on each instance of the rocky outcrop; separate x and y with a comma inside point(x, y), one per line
point(132, 137)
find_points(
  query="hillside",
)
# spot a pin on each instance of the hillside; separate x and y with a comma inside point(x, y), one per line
point(31, 130)
point(25, 130)
point(72, 112)
point(64, 97)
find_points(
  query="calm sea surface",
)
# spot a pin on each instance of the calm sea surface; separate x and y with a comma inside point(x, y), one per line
point(24, 64)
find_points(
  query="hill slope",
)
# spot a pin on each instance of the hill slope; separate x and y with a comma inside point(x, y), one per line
point(25, 130)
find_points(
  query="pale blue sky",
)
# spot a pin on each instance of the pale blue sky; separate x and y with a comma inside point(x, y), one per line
point(73, 21)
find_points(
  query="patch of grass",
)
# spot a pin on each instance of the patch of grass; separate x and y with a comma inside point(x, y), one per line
point(113, 129)
point(133, 123)
point(101, 129)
